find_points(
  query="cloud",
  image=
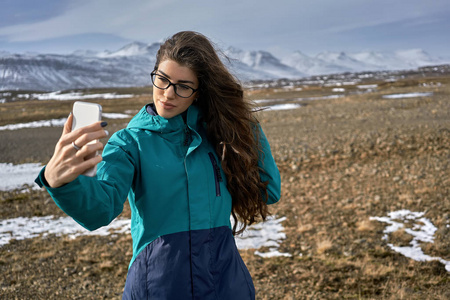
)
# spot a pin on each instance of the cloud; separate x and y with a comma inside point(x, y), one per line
point(251, 23)
point(102, 16)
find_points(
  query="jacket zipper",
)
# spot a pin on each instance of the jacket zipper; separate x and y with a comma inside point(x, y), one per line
point(187, 138)
point(217, 175)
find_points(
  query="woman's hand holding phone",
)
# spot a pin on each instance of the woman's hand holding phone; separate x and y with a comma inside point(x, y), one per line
point(75, 153)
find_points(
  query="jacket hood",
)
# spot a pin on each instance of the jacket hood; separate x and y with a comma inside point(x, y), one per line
point(148, 119)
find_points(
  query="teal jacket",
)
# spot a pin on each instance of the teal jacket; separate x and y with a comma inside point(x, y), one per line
point(178, 196)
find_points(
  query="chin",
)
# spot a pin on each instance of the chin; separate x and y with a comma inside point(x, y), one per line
point(166, 114)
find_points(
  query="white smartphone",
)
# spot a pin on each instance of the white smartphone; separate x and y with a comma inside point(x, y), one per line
point(85, 113)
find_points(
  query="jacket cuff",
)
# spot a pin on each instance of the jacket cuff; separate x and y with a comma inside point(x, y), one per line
point(40, 180)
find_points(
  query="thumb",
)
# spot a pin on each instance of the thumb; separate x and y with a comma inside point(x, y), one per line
point(68, 125)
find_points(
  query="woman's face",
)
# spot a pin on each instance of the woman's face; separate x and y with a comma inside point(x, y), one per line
point(168, 104)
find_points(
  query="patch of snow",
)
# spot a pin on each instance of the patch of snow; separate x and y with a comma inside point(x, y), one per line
point(115, 116)
point(25, 228)
point(273, 253)
point(35, 124)
point(408, 95)
point(320, 98)
point(367, 86)
point(73, 96)
point(267, 234)
point(349, 83)
point(422, 231)
point(431, 84)
point(283, 106)
point(267, 100)
point(55, 122)
point(16, 176)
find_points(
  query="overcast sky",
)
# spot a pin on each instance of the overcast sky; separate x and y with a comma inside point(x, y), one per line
point(311, 26)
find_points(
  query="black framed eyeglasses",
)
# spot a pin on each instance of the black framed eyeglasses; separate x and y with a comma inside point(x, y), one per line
point(161, 82)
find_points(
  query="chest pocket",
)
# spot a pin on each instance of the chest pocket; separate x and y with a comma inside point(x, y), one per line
point(217, 175)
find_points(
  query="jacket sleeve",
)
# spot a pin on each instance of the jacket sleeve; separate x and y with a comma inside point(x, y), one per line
point(269, 170)
point(94, 202)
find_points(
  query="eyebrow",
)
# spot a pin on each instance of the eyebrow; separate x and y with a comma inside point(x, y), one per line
point(180, 81)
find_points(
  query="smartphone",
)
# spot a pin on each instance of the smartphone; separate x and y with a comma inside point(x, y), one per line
point(85, 113)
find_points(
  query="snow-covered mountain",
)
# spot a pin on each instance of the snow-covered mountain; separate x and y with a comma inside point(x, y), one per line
point(263, 62)
point(132, 64)
point(133, 49)
point(338, 62)
point(60, 72)
point(312, 65)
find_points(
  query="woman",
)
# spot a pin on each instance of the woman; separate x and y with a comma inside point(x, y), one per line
point(186, 162)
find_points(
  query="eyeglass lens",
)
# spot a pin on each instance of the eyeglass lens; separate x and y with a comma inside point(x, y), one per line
point(163, 83)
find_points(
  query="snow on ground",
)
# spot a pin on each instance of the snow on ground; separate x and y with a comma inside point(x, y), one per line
point(282, 106)
point(115, 116)
point(422, 231)
point(267, 100)
point(322, 98)
point(25, 228)
point(267, 234)
point(408, 95)
point(56, 122)
point(367, 86)
point(16, 176)
point(35, 124)
point(73, 96)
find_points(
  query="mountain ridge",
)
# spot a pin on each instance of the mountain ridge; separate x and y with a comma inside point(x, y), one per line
point(131, 65)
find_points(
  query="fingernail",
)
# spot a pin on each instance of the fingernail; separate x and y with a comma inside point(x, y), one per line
point(103, 124)
point(69, 114)
point(107, 132)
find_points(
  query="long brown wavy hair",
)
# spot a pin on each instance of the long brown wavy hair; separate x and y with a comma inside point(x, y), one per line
point(231, 125)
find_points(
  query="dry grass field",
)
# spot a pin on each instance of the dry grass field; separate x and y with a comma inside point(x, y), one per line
point(344, 161)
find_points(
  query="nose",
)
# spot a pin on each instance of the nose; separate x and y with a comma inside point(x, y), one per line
point(170, 92)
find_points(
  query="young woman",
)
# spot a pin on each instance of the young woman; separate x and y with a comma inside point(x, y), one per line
point(186, 162)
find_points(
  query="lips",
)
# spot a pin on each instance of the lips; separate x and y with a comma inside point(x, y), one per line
point(167, 105)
